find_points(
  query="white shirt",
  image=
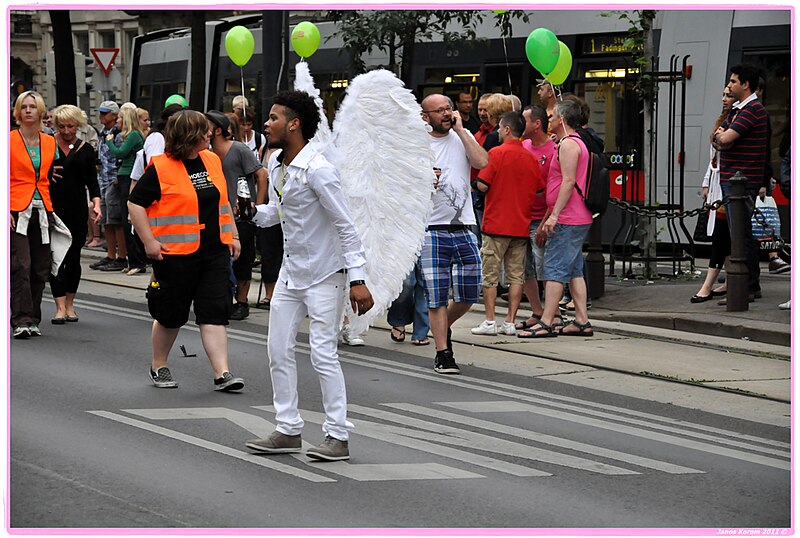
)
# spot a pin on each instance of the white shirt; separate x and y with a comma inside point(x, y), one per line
point(154, 145)
point(741, 104)
point(452, 199)
point(320, 237)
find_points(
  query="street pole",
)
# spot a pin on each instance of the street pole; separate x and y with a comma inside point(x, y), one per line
point(595, 263)
point(738, 273)
point(274, 56)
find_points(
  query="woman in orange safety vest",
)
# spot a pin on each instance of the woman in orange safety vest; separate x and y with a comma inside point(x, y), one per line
point(182, 214)
point(31, 168)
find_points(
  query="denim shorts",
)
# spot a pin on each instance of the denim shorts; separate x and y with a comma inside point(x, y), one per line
point(563, 252)
point(534, 257)
point(450, 258)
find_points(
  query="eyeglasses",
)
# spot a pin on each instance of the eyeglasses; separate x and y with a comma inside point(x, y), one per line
point(440, 110)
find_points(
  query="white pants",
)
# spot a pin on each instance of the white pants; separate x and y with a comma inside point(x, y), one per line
point(323, 303)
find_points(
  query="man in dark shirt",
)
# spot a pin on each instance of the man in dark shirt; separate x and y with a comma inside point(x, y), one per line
point(742, 139)
point(464, 104)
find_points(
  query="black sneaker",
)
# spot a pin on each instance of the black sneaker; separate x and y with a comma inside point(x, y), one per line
point(226, 382)
point(240, 311)
point(117, 265)
point(445, 363)
point(163, 378)
point(101, 263)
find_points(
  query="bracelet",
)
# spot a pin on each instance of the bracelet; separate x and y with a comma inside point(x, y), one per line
point(236, 237)
point(357, 283)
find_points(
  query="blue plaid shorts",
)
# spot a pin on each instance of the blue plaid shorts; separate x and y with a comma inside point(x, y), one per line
point(451, 258)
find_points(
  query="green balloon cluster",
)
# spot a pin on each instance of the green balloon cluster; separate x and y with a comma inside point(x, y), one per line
point(305, 39)
point(563, 66)
point(548, 55)
point(175, 98)
point(239, 44)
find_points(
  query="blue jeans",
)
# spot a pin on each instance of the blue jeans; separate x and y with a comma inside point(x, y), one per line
point(410, 306)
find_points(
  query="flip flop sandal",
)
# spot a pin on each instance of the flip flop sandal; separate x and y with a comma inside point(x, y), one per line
point(534, 331)
point(527, 324)
point(583, 330)
point(400, 338)
point(71, 319)
point(423, 342)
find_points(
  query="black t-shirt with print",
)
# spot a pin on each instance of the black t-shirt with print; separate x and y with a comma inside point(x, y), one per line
point(148, 191)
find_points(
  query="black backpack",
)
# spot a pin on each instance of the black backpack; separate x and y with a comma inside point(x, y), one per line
point(598, 188)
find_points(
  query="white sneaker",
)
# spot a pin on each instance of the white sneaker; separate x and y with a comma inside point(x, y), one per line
point(487, 327)
point(351, 339)
point(786, 306)
point(507, 328)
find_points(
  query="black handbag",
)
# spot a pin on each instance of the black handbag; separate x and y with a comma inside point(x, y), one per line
point(700, 229)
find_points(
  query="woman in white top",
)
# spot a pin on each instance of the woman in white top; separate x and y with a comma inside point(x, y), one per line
point(718, 232)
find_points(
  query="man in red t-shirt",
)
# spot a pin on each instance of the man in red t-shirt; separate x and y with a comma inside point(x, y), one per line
point(510, 182)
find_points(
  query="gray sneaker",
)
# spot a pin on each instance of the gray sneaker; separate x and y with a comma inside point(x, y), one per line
point(276, 443)
point(34, 330)
point(331, 449)
point(226, 382)
point(163, 378)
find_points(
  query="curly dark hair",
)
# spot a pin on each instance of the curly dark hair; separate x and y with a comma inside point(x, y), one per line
point(300, 105)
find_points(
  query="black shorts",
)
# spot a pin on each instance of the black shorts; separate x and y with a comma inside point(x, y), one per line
point(185, 280)
point(243, 266)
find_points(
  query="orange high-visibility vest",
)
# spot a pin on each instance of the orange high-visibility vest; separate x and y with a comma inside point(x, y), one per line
point(174, 219)
point(23, 176)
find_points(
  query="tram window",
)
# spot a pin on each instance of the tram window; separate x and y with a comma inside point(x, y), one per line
point(776, 97)
point(146, 91)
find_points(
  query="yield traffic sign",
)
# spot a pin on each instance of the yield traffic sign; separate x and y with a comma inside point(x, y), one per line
point(105, 58)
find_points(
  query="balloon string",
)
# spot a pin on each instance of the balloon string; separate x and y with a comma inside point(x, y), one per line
point(508, 69)
point(244, 99)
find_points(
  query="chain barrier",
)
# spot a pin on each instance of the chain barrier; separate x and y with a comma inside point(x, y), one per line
point(673, 214)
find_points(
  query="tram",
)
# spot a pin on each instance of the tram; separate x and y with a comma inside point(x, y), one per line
point(696, 46)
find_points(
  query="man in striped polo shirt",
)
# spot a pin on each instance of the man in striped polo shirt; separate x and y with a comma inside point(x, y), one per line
point(742, 140)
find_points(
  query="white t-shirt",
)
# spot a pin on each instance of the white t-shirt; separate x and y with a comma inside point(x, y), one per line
point(452, 199)
point(154, 145)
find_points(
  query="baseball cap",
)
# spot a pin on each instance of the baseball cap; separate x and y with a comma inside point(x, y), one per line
point(108, 106)
point(540, 81)
point(220, 120)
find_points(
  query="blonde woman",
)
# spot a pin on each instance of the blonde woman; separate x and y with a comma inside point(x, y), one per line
point(497, 104)
point(78, 174)
point(144, 121)
point(132, 140)
point(32, 160)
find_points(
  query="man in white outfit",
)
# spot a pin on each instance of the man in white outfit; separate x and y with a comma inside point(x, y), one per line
point(322, 251)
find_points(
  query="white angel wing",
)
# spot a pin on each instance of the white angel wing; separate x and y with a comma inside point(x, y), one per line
point(323, 140)
point(387, 178)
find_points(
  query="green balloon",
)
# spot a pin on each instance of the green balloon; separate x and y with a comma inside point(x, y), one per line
point(499, 11)
point(175, 98)
point(239, 44)
point(564, 65)
point(542, 50)
point(305, 39)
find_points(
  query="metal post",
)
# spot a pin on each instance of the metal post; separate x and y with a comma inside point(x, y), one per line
point(595, 277)
point(738, 273)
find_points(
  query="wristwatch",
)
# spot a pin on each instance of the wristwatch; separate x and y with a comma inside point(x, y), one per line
point(357, 283)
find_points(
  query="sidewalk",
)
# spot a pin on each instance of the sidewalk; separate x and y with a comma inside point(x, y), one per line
point(700, 344)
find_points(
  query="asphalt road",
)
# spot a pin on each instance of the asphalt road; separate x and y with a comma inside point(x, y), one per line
point(94, 444)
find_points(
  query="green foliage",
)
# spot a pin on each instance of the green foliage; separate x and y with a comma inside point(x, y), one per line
point(396, 32)
point(640, 23)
